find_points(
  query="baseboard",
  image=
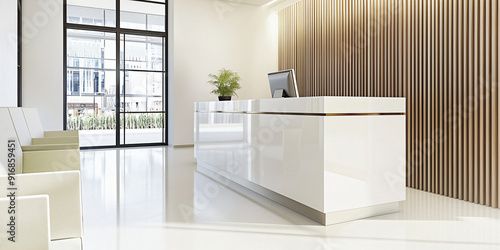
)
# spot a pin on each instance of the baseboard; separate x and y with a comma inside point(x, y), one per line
point(183, 146)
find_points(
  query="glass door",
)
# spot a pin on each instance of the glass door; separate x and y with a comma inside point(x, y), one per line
point(142, 113)
point(91, 86)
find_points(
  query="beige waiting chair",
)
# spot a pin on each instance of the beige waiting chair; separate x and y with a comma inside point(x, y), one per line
point(31, 227)
point(32, 134)
point(49, 211)
point(39, 136)
point(34, 158)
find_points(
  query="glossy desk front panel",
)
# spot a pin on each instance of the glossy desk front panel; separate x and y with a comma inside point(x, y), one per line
point(329, 153)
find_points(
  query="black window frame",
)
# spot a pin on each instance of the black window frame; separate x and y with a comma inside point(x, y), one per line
point(119, 32)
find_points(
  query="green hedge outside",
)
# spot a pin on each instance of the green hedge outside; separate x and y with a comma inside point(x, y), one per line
point(108, 121)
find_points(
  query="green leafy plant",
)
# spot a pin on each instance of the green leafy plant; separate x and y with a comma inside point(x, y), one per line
point(226, 83)
point(108, 121)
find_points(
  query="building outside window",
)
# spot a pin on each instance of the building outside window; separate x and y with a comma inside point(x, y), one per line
point(101, 70)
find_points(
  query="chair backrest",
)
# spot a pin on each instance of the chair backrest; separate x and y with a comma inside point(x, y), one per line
point(7, 132)
point(23, 132)
point(34, 124)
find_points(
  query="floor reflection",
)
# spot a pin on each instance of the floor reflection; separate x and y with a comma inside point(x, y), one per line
point(152, 198)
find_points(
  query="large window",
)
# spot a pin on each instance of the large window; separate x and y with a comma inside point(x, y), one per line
point(115, 71)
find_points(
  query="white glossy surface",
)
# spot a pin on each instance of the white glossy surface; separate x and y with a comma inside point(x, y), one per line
point(322, 104)
point(65, 207)
point(329, 163)
point(364, 161)
point(285, 160)
point(32, 225)
point(143, 198)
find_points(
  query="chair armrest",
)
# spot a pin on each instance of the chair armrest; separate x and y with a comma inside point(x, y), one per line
point(65, 207)
point(51, 160)
point(56, 140)
point(32, 223)
point(67, 244)
point(61, 133)
point(45, 147)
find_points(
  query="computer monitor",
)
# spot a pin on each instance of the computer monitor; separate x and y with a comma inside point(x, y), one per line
point(283, 84)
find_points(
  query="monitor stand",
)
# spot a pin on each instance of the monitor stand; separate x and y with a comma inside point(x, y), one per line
point(279, 93)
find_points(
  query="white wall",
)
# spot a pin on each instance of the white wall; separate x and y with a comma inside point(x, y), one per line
point(8, 53)
point(209, 35)
point(42, 64)
point(204, 36)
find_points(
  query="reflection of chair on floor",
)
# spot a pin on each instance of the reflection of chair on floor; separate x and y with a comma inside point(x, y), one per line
point(48, 211)
point(39, 136)
point(35, 158)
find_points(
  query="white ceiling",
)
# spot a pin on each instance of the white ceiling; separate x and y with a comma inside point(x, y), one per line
point(252, 2)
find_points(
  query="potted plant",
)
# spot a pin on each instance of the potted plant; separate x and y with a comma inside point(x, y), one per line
point(226, 84)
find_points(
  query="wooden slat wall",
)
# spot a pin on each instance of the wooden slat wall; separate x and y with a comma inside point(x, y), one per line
point(442, 55)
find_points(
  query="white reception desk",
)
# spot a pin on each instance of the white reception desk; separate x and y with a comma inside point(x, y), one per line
point(332, 159)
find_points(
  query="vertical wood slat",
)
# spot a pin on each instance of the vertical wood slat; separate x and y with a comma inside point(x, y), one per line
point(442, 55)
point(487, 105)
point(481, 77)
point(433, 81)
point(476, 78)
point(495, 175)
point(465, 97)
point(439, 110)
point(421, 92)
point(459, 103)
point(428, 73)
point(454, 83)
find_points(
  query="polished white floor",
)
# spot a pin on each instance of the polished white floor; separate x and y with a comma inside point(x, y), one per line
point(152, 198)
